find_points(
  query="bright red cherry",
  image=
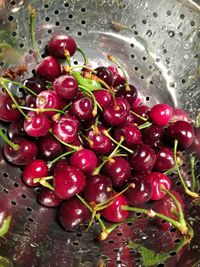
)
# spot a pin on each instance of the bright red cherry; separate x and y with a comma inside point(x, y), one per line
point(152, 135)
point(66, 86)
point(103, 97)
point(161, 114)
point(7, 112)
point(164, 159)
point(82, 108)
point(106, 75)
point(118, 76)
point(50, 147)
point(48, 198)
point(129, 94)
point(141, 111)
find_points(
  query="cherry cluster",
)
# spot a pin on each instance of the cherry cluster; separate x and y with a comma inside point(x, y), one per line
point(85, 136)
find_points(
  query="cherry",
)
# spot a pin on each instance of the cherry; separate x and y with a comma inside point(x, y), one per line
point(35, 169)
point(48, 69)
point(7, 111)
point(98, 189)
point(152, 135)
point(106, 75)
point(130, 118)
point(141, 193)
point(141, 111)
point(66, 128)
point(195, 147)
point(119, 170)
point(68, 181)
point(119, 79)
point(130, 132)
point(35, 84)
point(114, 212)
point(180, 115)
point(59, 43)
point(103, 97)
point(85, 160)
point(156, 180)
point(160, 114)
point(82, 108)
point(129, 94)
point(116, 113)
point(182, 131)
point(73, 213)
point(66, 86)
point(23, 154)
point(30, 102)
point(48, 99)
point(48, 198)
point(143, 158)
point(16, 128)
point(59, 164)
point(164, 159)
point(49, 147)
point(37, 124)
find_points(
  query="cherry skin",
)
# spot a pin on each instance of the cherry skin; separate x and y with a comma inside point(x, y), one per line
point(30, 102)
point(130, 132)
point(7, 112)
point(183, 132)
point(115, 114)
point(82, 108)
point(73, 213)
point(164, 159)
point(26, 152)
point(118, 76)
point(85, 160)
point(114, 212)
point(129, 94)
point(103, 97)
point(153, 135)
point(58, 43)
point(156, 179)
point(36, 169)
point(143, 158)
point(161, 114)
point(179, 114)
point(48, 198)
point(195, 147)
point(66, 86)
point(35, 84)
point(16, 128)
point(98, 189)
point(106, 75)
point(68, 181)
point(48, 69)
point(37, 124)
point(119, 171)
point(48, 99)
point(49, 147)
point(141, 111)
point(66, 128)
point(130, 118)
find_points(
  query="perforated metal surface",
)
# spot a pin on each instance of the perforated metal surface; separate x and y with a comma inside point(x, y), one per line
point(158, 43)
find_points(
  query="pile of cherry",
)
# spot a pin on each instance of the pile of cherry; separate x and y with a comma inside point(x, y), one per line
point(87, 139)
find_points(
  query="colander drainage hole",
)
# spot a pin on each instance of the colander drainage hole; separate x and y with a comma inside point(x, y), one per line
point(5, 174)
point(30, 219)
point(13, 203)
point(5, 191)
point(173, 253)
point(23, 196)
point(66, 4)
point(12, 3)
point(161, 265)
point(177, 240)
point(173, 230)
point(16, 185)
point(29, 209)
point(10, 18)
point(110, 241)
point(119, 234)
point(83, 9)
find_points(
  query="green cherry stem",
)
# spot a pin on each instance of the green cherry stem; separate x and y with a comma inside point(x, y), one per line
point(5, 138)
point(83, 54)
point(41, 110)
point(43, 181)
point(82, 67)
point(36, 180)
point(57, 115)
point(59, 157)
point(187, 191)
point(68, 58)
point(140, 117)
point(168, 172)
point(115, 151)
point(193, 185)
point(145, 125)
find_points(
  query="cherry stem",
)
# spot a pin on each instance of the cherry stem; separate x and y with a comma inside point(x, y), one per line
point(83, 54)
point(5, 138)
point(76, 148)
point(2, 83)
point(41, 110)
point(33, 13)
point(98, 169)
point(57, 115)
point(140, 117)
point(105, 132)
point(115, 151)
point(68, 58)
point(197, 122)
point(173, 169)
point(187, 191)
point(192, 162)
point(59, 157)
point(82, 66)
point(36, 180)
point(115, 61)
point(145, 125)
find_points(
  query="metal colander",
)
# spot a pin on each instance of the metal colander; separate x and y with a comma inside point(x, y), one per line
point(158, 44)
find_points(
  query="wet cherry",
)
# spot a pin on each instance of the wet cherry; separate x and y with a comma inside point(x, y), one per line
point(164, 159)
point(103, 97)
point(82, 108)
point(16, 128)
point(48, 198)
point(66, 86)
point(7, 112)
point(152, 135)
point(35, 84)
point(106, 75)
point(118, 76)
point(129, 94)
point(161, 114)
point(141, 111)
point(49, 147)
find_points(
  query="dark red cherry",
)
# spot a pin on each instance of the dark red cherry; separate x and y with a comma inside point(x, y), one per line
point(179, 114)
point(118, 76)
point(119, 170)
point(164, 159)
point(36, 169)
point(156, 180)
point(58, 43)
point(130, 118)
point(26, 152)
point(114, 212)
point(103, 97)
point(68, 181)
point(66, 86)
point(7, 112)
point(30, 102)
point(73, 213)
point(16, 128)
point(130, 132)
point(143, 158)
point(82, 108)
point(48, 198)
point(141, 111)
point(106, 75)
point(50, 147)
point(116, 113)
point(58, 164)
point(152, 135)
point(66, 128)
point(48, 99)
point(183, 132)
point(141, 193)
point(129, 94)
point(85, 160)
point(37, 124)
point(161, 114)
point(195, 147)
point(35, 84)
point(98, 189)
point(48, 69)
